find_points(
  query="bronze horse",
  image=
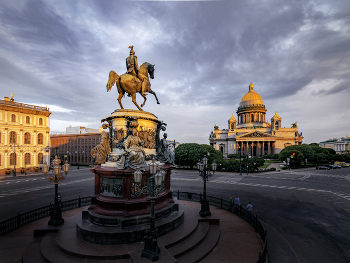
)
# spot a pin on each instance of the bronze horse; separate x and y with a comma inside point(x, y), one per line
point(127, 83)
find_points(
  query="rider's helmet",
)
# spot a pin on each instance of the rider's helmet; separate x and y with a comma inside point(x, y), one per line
point(132, 52)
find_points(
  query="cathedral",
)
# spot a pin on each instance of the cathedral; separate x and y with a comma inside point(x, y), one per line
point(251, 133)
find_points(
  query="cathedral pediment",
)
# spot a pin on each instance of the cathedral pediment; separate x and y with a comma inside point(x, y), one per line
point(255, 134)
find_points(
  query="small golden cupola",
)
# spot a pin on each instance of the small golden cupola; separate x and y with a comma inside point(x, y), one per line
point(276, 122)
point(232, 123)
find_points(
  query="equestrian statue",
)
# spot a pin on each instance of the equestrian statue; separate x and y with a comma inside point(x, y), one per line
point(133, 81)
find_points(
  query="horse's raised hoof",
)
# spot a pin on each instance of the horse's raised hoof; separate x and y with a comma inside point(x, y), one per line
point(158, 102)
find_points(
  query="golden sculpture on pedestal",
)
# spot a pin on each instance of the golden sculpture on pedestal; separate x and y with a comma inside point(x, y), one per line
point(134, 81)
point(101, 151)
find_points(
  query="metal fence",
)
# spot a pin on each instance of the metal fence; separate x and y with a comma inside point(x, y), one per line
point(39, 213)
point(236, 210)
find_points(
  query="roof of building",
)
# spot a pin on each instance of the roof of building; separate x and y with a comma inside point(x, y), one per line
point(276, 116)
point(251, 97)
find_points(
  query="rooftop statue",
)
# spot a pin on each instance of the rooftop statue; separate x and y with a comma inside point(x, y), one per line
point(135, 80)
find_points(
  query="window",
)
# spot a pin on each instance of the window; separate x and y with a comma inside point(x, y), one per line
point(13, 118)
point(40, 158)
point(13, 137)
point(27, 119)
point(12, 159)
point(40, 121)
point(27, 138)
point(27, 158)
point(40, 138)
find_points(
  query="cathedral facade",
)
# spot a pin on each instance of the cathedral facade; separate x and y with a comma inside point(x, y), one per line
point(251, 133)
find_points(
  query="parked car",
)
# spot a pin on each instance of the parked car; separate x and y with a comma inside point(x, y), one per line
point(321, 167)
point(337, 166)
point(331, 166)
point(342, 164)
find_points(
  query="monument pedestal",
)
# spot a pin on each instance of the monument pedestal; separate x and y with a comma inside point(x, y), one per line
point(120, 212)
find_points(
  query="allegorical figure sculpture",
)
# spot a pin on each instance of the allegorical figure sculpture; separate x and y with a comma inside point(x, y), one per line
point(134, 155)
point(134, 81)
point(101, 151)
point(164, 153)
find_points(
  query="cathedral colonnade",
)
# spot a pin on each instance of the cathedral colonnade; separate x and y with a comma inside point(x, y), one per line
point(256, 148)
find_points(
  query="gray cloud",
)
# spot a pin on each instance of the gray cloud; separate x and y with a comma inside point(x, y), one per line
point(206, 54)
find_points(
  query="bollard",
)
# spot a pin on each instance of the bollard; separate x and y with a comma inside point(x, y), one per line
point(79, 202)
point(178, 195)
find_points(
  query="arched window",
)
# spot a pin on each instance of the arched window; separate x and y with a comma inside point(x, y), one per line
point(40, 138)
point(27, 138)
point(13, 137)
point(12, 159)
point(27, 119)
point(27, 158)
point(276, 124)
point(13, 118)
point(40, 121)
point(40, 158)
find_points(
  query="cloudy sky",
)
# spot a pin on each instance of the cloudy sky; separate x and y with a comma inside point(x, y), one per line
point(296, 53)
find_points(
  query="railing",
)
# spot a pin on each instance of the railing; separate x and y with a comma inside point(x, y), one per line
point(22, 105)
point(236, 210)
point(39, 213)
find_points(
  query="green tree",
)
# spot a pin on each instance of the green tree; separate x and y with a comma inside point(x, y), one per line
point(295, 160)
point(306, 150)
point(188, 154)
point(214, 155)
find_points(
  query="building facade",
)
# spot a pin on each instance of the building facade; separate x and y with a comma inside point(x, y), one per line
point(24, 135)
point(251, 133)
point(339, 145)
point(75, 145)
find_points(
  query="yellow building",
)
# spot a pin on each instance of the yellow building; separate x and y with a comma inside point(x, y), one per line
point(253, 134)
point(24, 135)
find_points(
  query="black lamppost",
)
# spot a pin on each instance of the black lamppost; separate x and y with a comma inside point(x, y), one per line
point(151, 249)
point(56, 212)
point(240, 163)
point(204, 172)
point(15, 157)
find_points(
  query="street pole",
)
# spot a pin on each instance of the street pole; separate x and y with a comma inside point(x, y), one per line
point(240, 163)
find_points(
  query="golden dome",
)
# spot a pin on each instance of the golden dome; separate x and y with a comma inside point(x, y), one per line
point(251, 97)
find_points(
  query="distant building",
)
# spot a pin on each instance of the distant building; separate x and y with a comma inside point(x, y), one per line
point(339, 145)
point(24, 135)
point(252, 134)
point(75, 145)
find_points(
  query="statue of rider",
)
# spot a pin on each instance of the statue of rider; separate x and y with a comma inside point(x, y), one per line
point(133, 69)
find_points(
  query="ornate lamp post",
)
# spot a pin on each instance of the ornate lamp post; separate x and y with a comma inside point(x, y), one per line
point(240, 163)
point(151, 249)
point(56, 212)
point(204, 172)
point(15, 157)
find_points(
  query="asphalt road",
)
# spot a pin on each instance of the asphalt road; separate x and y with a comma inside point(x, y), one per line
point(306, 212)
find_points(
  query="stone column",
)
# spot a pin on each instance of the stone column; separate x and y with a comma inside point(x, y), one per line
point(273, 147)
point(241, 146)
point(258, 152)
point(246, 148)
point(268, 148)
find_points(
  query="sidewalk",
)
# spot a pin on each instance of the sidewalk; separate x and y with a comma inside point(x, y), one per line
point(238, 240)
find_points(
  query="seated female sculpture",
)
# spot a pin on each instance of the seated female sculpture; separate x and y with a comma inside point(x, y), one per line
point(134, 155)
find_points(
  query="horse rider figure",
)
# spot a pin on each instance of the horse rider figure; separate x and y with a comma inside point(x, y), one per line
point(133, 69)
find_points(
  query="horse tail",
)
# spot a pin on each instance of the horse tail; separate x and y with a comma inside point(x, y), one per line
point(113, 76)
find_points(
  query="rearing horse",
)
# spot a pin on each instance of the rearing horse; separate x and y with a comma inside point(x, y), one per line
point(127, 83)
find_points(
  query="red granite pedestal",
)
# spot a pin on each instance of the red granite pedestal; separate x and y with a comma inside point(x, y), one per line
point(120, 208)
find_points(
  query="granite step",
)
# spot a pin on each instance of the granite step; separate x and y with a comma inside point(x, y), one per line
point(70, 243)
point(191, 241)
point(199, 252)
point(182, 232)
point(53, 254)
point(32, 252)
